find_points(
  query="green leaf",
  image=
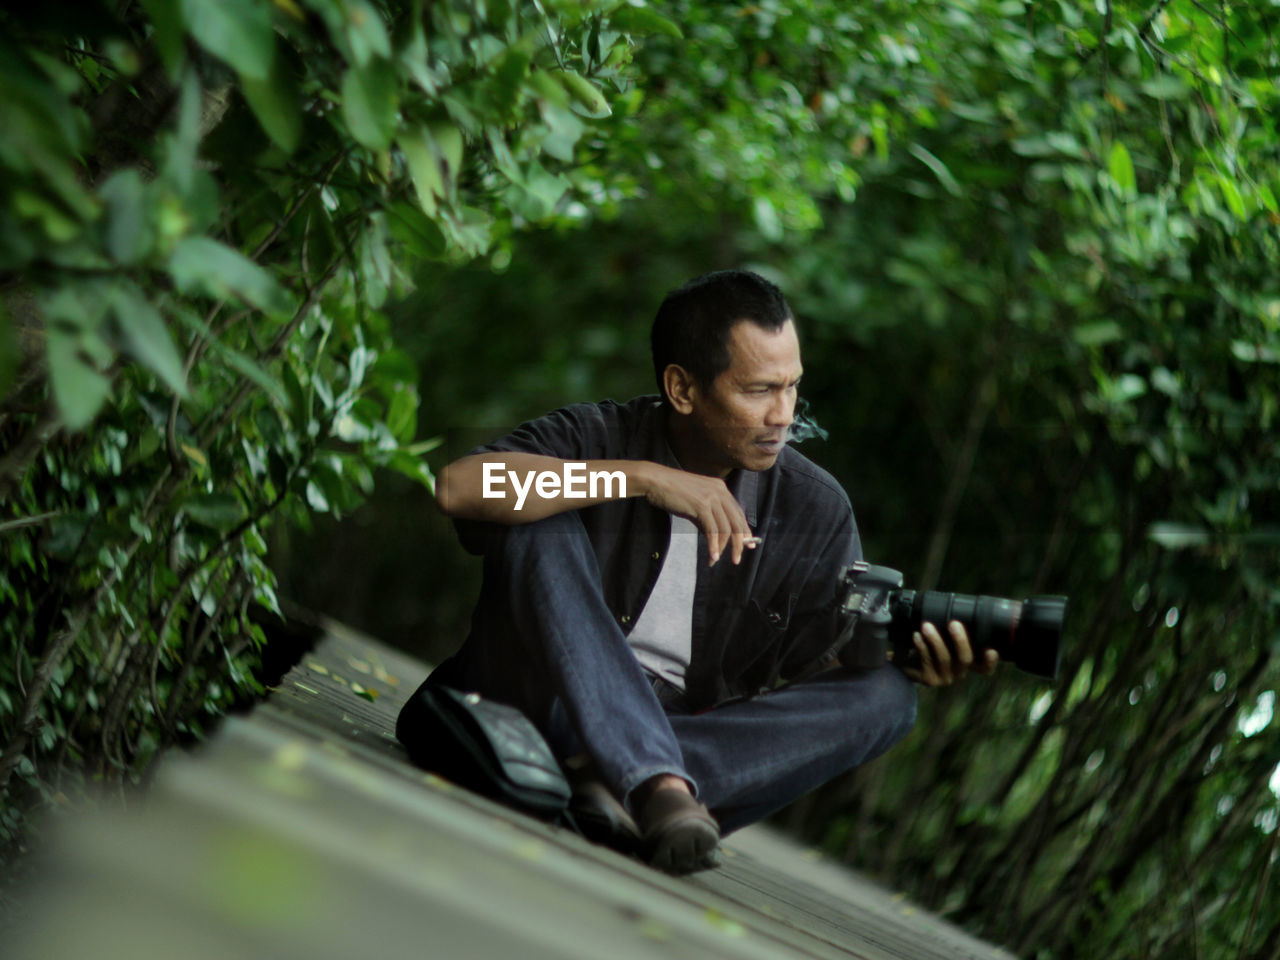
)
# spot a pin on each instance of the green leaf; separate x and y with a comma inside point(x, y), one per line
point(78, 387)
point(424, 168)
point(585, 93)
point(938, 167)
point(238, 32)
point(471, 228)
point(147, 337)
point(1268, 198)
point(76, 352)
point(219, 511)
point(316, 498)
point(370, 103)
point(203, 265)
point(1231, 193)
point(58, 227)
point(180, 168)
point(1254, 352)
point(1176, 536)
point(565, 130)
point(424, 446)
point(642, 20)
point(298, 407)
point(1096, 334)
point(508, 77)
point(545, 88)
point(1120, 165)
point(275, 102)
point(366, 32)
point(539, 192)
point(447, 141)
point(75, 306)
point(766, 219)
point(1165, 87)
point(394, 368)
point(402, 414)
point(412, 467)
point(130, 236)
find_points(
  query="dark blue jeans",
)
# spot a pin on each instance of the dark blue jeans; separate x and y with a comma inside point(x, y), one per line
point(543, 640)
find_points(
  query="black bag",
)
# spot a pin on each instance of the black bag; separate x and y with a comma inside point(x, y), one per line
point(485, 746)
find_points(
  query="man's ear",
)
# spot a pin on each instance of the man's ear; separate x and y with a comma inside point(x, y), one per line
point(678, 384)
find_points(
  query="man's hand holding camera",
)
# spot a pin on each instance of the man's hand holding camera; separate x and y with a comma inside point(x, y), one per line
point(935, 663)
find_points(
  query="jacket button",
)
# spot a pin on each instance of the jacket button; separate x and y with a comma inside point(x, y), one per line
point(625, 618)
point(657, 555)
point(774, 617)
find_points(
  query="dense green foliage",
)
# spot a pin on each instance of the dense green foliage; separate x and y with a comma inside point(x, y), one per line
point(1032, 249)
point(204, 206)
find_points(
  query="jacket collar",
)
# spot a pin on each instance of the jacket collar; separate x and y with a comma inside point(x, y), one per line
point(649, 442)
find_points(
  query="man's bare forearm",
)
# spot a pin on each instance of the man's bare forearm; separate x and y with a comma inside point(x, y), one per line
point(515, 488)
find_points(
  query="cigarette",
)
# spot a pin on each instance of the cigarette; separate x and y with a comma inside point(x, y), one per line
point(752, 541)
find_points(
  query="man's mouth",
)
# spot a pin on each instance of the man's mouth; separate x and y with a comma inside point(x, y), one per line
point(771, 445)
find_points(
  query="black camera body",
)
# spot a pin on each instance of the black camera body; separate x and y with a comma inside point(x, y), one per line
point(880, 616)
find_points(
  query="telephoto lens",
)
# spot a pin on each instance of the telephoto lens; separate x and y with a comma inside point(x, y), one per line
point(1026, 633)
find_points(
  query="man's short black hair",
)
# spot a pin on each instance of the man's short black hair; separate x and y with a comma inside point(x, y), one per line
point(692, 326)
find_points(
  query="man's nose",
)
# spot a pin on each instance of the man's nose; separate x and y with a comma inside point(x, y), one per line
point(782, 410)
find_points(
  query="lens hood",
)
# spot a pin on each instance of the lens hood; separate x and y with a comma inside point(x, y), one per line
point(1038, 647)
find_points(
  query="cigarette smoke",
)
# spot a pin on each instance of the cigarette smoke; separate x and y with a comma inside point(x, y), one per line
point(803, 426)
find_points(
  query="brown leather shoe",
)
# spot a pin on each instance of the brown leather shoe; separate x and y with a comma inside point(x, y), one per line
point(679, 835)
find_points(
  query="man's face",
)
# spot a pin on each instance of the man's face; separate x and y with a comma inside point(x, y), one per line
point(743, 418)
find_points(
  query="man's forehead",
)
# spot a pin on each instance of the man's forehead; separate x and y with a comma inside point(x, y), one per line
point(759, 355)
point(750, 341)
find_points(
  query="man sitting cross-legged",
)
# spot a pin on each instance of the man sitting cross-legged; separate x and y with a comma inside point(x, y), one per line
point(651, 626)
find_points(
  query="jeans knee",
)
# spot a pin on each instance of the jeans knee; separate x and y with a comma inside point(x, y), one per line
point(556, 538)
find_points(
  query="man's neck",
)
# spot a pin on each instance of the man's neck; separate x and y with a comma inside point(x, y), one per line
point(687, 447)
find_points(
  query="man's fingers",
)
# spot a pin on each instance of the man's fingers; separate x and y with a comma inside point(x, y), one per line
point(723, 533)
point(927, 672)
point(990, 660)
point(941, 653)
point(733, 535)
point(717, 541)
point(727, 532)
point(710, 505)
point(707, 521)
point(960, 641)
point(731, 528)
point(941, 664)
point(742, 537)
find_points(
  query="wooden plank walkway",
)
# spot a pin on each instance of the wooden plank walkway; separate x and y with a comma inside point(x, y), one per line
point(301, 831)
